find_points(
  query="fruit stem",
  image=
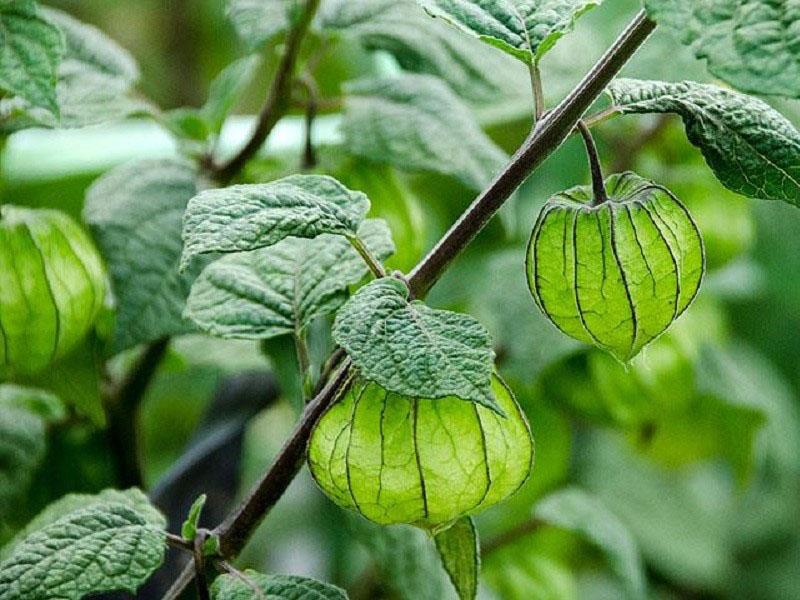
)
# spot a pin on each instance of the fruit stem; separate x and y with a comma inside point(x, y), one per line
point(598, 188)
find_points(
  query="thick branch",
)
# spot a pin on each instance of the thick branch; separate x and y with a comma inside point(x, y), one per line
point(548, 134)
point(123, 407)
point(278, 100)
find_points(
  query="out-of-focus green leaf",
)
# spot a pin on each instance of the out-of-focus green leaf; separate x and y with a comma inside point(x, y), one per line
point(241, 218)
point(458, 549)
point(408, 122)
point(141, 243)
point(281, 289)
point(413, 350)
point(575, 510)
point(30, 51)
point(752, 149)
point(524, 29)
point(748, 43)
point(424, 45)
point(258, 21)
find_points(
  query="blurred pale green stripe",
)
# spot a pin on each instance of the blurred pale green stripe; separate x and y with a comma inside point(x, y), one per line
point(47, 154)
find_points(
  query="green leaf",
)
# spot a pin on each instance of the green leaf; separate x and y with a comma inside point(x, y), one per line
point(103, 545)
point(409, 122)
point(413, 350)
point(258, 21)
point(140, 241)
point(189, 527)
point(30, 51)
point(458, 549)
point(523, 28)
point(95, 81)
point(424, 45)
point(240, 218)
point(24, 414)
point(274, 587)
point(752, 149)
point(282, 288)
point(577, 511)
point(751, 44)
point(226, 89)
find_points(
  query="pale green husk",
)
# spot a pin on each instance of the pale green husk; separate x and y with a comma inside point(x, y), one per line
point(52, 286)
point(423, 462)
point(618, 274)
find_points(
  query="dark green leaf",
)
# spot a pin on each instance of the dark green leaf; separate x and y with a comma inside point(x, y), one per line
point(524, 29)
point(30, 51)
point(458, 549)
point(273, 587)
point(110, 542)
point(409, 122)
point(577, 511)
point(751, 148)
point(413, 350)
point(135, 213)
point(241, 218)
point(751, 44)
point(282, 288)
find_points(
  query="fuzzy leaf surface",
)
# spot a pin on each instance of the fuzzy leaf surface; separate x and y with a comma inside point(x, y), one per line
point(413, 350)
point(282, 288)
point(752, 149)
point(751, 44)
point(274, 587)
point(526, 29)
point(247, 217)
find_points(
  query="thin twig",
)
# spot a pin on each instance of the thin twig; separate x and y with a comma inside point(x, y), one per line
point(548, 134)
point(278, 99)
point(328, 368)
point(598, 187)
point(177, 541)
point(123, 407)
point(306, 81)
point(538, 92)
point(201, 580)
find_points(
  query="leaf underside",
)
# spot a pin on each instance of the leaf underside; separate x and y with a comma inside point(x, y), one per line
point(458, 549)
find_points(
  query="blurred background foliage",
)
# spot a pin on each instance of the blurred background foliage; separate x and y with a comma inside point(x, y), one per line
point(694, 448)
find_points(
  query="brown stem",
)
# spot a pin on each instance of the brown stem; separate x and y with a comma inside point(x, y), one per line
point(278, 99)
point(598, 187)
point(306, 81)
point(123, 407)
point(548, 135)
point(201, 580)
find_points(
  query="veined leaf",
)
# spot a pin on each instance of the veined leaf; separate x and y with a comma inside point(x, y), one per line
point(283, 288)
point(577, 511)
point(408, 122)
point(240, 218)
point(103, 545)
point(413, 350)
point(258, 21)
point(273, 587)
point(752, 149)
point(424, 45)
point(526, 29)
point(30, 51)
point(135, 212)
point(751, 44)
point(458, 549)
